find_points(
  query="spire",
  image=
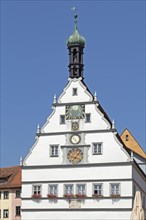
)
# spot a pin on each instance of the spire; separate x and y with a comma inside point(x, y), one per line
point(75, 44)
point(95, 96)
point(76, 22)
point(113, 124)
point(54, 101)
point(38, 129)
point(75, 18)
point(21, 161)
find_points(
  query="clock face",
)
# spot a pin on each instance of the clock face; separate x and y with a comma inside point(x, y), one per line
point(75, 155)
point(75, 139)
point(75, 111)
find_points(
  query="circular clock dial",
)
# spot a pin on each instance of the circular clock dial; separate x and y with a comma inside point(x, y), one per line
point(75, 155)
point(75, 139)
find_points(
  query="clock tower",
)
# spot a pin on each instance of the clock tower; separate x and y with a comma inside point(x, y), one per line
point(78, 167)
point(75, 44)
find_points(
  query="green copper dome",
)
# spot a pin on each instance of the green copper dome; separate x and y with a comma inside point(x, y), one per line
point(76, 38)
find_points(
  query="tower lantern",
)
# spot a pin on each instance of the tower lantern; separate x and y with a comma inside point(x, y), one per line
point(75, 44)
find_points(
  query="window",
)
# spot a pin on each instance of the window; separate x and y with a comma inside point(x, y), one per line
point(88, 118)
point(68, 189)
point(62, 119)
point(127, 137)
point(97, 189)
point(53, 189)
point(17, 210)
point(18, 193)
point(5, 213)
point(37, 190)
point(115, 189)
point(97, 148)
point(81, 189)
point(74, 91)
point(3, 180)
point(6, 194)
point(54, 151)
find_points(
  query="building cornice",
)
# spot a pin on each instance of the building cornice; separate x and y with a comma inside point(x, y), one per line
point(78, 132)
point(75, 209)
point(78, 181)
point(60, 166)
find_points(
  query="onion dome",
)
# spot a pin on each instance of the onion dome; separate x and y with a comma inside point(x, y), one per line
point(76, 38)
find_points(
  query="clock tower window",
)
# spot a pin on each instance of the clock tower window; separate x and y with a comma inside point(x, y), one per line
point(74, 91)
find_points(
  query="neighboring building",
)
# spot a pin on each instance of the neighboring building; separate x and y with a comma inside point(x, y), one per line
point(136, 150)
point(10, 193)
point(79, 167)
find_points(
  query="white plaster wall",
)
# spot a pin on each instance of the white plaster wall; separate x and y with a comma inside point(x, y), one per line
point(40, 152)
point(98, 122)
point(83, 94)
point(76, 215)
point(85, 204)
point(112, 150)
point(77, 173)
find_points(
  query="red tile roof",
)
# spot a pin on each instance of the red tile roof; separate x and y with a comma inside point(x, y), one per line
point(10, 177)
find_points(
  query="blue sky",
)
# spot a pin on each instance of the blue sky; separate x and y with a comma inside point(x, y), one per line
point(34, 60)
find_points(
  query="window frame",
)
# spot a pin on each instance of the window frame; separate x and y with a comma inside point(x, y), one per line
point(6, 196)
point(119, 189)
point(81, 184)
point(18, 193)
point(98, 144)
point(18, 211)
point(72, 191)
point(74, 91)
point(36, 191)
point(50, 192)
point(62, 122)
point(86, 116)
point(51, 150)
point(98, 184)
point(5, 213)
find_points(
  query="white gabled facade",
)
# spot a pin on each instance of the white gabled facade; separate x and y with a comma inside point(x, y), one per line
point(79, 168)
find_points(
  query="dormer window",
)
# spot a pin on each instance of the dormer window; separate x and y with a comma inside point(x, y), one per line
point(127, 137)
point(74, 91)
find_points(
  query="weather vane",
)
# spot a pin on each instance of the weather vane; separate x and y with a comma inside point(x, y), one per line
point(75, 16)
